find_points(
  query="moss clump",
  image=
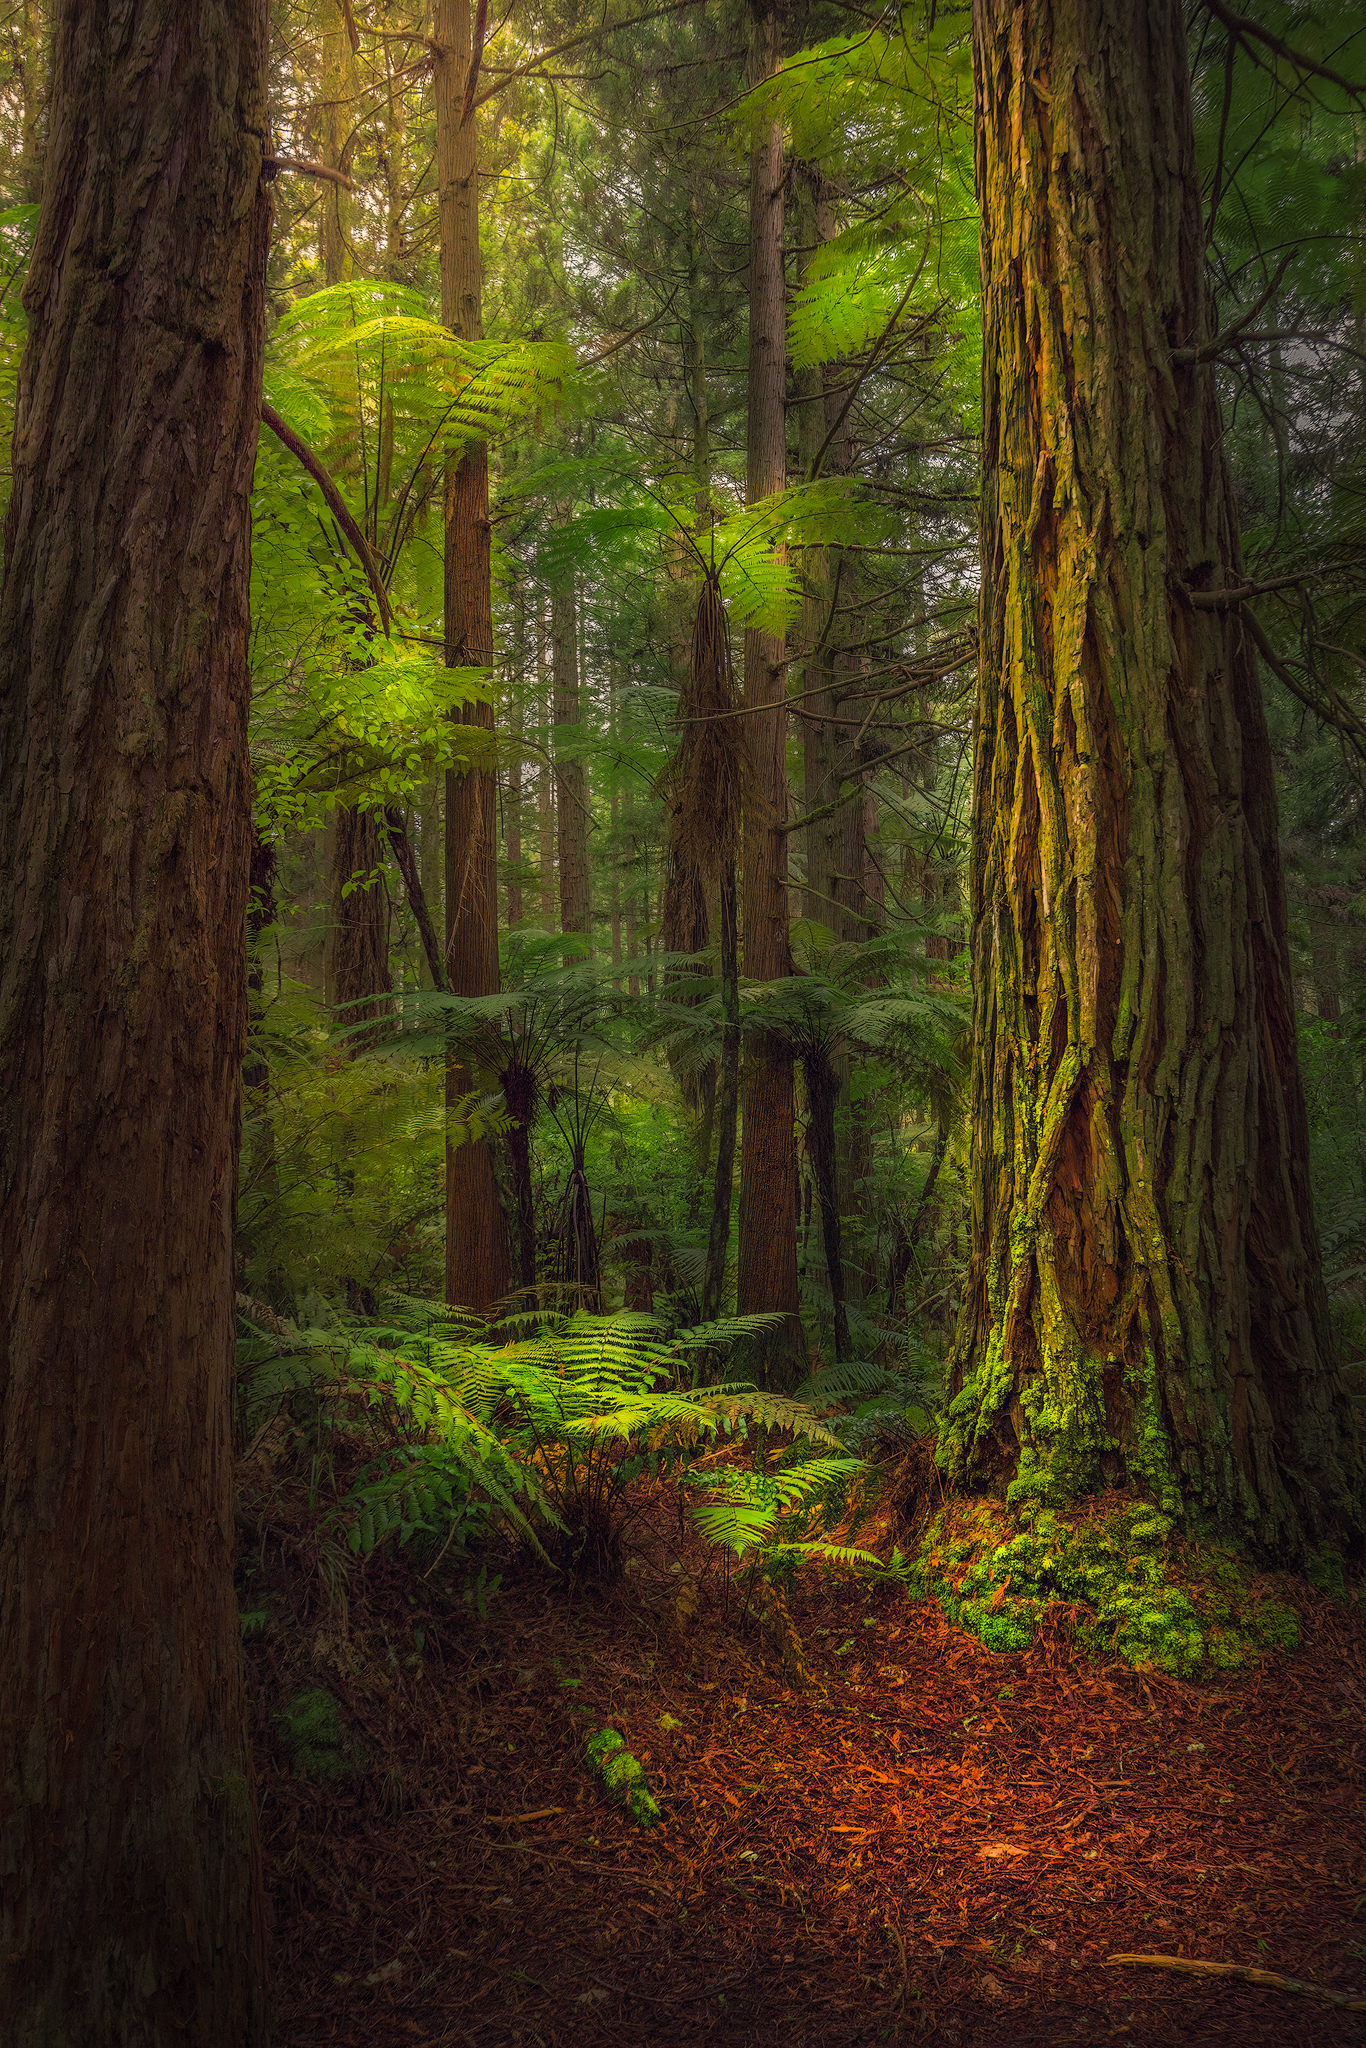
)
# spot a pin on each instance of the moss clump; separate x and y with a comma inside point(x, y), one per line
point(622, 1776)
point(1135, 1592)
point(323, 1745)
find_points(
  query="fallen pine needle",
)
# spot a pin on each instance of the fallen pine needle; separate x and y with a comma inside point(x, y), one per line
point(1243, 1975)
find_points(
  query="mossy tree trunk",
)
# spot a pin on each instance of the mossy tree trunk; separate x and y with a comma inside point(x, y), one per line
point(131, 1907)
point(1145, 1302)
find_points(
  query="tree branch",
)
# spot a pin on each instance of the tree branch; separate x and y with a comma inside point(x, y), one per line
point(307, 170)
point(397, 832)
point(1247, 30)
point(336, 505)
point(481, 22)
point(1208, 350)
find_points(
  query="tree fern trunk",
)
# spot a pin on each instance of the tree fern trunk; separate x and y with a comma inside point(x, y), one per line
point(1145, 1301)
point(130, 1887)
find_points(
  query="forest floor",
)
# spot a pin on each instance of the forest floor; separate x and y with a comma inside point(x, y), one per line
point(927, 1843)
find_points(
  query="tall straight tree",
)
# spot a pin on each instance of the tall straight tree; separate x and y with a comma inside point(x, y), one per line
point(130, 1889)
point(1145, 1301)
point(767, 1276)
point(571, 777)
point(358, 936)
point(478, 1257)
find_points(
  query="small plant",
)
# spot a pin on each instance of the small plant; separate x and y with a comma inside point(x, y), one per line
point(323, 1745)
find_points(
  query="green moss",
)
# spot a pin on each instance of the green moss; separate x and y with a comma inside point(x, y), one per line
point(323, 1745)
point(622, 1777)
point(1134, 1591)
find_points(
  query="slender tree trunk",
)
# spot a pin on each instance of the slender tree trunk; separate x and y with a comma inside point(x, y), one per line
point(822, 1090)
point(616, 896)
point(718, 1240)
point(633, 865)
point(513, 800)
point(32, 81)
point(570, 774)
point(358, 935)
point(358, 942)
point(545, 786)
point(768, 1154)
point(336, 137)
point(1145, 1302)
point(130, 1885)
point(431, 857)
point(478, 1261)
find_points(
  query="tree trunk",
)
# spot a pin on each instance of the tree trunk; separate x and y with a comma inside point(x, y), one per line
point(358, 962)
point(432, 862)
point(718, 1240)
point(570, 775)
point(822, 1089)
point(336, 138)
point(130, 1888)
point(513, 798)
point(1145, 1302)
point(478, 1260)
point(768, 1152)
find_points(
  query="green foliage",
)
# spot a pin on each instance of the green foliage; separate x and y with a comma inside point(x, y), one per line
point(1129, 1588)
point(324, 1746)
point(343, 1161)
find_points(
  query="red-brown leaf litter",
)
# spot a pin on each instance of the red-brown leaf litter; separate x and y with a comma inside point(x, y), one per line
point(928, 1843)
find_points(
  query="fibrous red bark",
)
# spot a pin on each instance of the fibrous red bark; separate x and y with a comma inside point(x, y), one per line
point(1145, 1301)
point(130, 1895)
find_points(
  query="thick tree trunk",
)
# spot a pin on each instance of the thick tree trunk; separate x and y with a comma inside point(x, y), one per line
point(1145, 1301)
point(130, 1890)
point(570, 775)
point(768, 1148)
point(478, 1260)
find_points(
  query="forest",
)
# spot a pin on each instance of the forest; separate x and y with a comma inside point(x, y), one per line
point(682, 1023)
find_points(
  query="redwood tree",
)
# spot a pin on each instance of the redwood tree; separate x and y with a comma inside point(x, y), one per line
point(478, 1259)
point(767, 1274)
point(1145, 1301)
point(130, 1897)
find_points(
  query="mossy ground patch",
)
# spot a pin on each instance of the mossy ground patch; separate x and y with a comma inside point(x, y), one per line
point(1134, 1587)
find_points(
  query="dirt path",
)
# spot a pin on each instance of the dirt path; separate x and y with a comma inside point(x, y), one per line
point(931, 1844)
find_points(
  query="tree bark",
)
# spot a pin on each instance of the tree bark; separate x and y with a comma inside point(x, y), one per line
point(718, 1237)
point(358, 941)
point(768, 1149)
point(570, 775)
point(1145, 1302)
point(478, 1259)
point(130, 1887)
